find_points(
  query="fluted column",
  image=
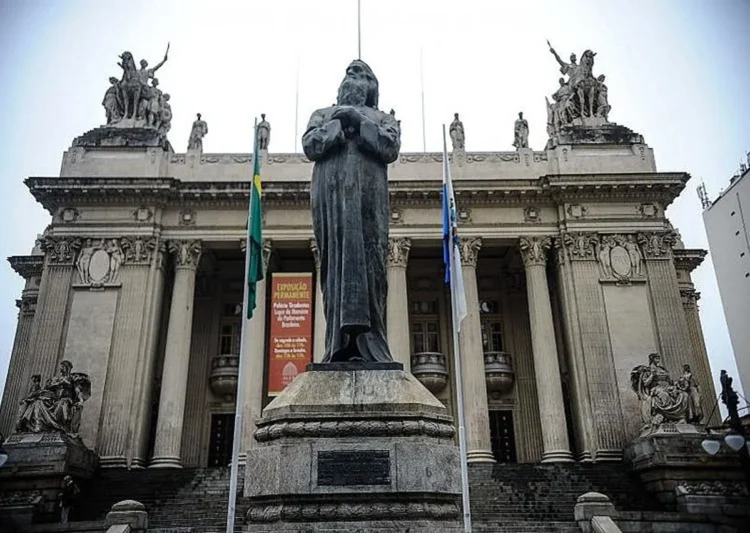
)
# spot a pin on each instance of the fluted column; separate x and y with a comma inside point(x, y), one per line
point(177, 356)
point(319, 335)
point(546, 365)
point(144, 381)
point(701, 368)
point(397, 309)
point(30, 267)
point(476, 411)
point(671, 323)
point(254, 358)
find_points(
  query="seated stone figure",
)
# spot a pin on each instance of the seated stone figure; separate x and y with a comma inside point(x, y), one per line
point(662, 400)
point(57, 406)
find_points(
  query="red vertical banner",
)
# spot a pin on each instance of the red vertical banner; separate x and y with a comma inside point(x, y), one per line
point(290, 346)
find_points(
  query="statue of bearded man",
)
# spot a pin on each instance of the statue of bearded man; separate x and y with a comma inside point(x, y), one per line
point(352, 144)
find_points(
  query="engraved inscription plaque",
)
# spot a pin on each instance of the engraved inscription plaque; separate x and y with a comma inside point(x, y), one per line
point(354, 467)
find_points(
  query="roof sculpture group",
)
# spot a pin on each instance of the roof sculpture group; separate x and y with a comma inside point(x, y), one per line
point(136, 101)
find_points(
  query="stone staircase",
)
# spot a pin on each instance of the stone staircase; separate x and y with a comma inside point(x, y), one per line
point(523, 498)
point(519, 498)
point(190, 500)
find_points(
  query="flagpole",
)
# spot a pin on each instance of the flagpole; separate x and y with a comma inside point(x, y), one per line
point(421, 78)
point(239, 398)
point(466, 504)
point(296, 108)
point(359, 29)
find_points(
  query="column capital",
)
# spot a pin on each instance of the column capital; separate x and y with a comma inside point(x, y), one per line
point(657, 244)
point(470, 247)
point(187, 254)
point(140, 250)
point(534, 250)
point(60, 251)
point(27, 304)
point(267, 250)
point(690, 298)
point(316, 252)
point(579, 246)
point(398, 251)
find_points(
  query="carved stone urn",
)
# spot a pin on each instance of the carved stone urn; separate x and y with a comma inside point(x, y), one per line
point(429, 368)
point(498, 372)
point(224, 373)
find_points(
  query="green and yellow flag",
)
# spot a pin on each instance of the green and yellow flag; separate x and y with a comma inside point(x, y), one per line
point(255, 233)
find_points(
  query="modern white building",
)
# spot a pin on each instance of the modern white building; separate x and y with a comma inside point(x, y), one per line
point(728, 227)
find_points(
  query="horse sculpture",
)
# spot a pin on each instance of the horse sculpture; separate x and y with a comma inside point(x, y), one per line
point(130, 85)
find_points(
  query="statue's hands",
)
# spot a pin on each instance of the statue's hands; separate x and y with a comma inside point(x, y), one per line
point(348, 115)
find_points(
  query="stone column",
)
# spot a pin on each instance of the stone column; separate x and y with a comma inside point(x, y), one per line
point(397, 309)
point(701, 367)
point(254, 359)
point(177, 356)
point(144, 381)
point(671, 324)
point(476, 411)
point(546, 364)
point(52, 305)
point(30, 267)
point(319, 334)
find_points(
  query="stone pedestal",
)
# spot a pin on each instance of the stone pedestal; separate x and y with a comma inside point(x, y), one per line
point(672, 457)
point(349, 448)
point(32, 478)
point(122, 136)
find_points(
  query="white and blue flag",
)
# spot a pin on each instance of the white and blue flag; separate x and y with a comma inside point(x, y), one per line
point(451, 246)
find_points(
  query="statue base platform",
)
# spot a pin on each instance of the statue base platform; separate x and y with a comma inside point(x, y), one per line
point(354, 450)
point(670, 461)
point(123, 136)
point(32, 478)
point(594, 131)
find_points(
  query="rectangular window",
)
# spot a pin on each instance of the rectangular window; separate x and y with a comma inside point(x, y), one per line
point(229, 340)
point(502, 437)
point(425, 326)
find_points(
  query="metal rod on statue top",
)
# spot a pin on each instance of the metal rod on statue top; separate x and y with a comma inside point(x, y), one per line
point(239, 398)
point(296, 109)
point(421, 79)
point(359, 29)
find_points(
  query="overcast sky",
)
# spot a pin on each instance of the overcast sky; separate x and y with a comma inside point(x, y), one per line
point(677, 71)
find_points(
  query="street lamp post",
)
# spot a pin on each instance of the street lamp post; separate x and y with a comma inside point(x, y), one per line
point(736, 438)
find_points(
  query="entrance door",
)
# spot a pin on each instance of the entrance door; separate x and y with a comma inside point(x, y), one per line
point(502, 437)
point(220, 444)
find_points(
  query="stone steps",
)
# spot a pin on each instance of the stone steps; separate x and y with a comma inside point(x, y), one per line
point(518, 498)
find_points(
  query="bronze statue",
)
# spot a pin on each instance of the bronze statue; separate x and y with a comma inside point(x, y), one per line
point(352, 144)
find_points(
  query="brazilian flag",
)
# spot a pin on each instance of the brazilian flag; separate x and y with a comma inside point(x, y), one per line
point(255, 233)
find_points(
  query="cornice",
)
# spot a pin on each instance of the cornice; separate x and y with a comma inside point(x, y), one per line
point(27, 266)
point(54, 193)
point(688, 258)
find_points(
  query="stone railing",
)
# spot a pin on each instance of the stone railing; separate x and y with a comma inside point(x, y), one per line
point(224, 373)
point(430, 369)
point(498, 372)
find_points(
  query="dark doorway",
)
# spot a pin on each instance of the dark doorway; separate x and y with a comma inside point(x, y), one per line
point(220, 445)
point(502, 437)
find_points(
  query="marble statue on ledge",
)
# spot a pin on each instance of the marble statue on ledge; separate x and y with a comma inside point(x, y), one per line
point(197, 132)
point(137, 111)
point(579, 110)
point(351, 145)
point(264, 133)
point(56, 407)
point(582, 99)
point(664, 400)
point(456, 132)
point(521, 132)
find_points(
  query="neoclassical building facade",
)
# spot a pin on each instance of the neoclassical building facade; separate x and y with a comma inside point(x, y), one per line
point(573, 275)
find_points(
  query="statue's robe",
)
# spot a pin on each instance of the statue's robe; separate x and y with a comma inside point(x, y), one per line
point(350, 209)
